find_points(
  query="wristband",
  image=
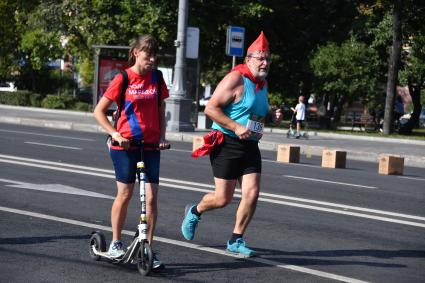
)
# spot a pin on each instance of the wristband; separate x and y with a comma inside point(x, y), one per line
point(115, 135)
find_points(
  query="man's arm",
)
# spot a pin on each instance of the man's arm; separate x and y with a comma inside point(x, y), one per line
point(229, 90)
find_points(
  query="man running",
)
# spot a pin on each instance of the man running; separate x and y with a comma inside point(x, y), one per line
point(238, 107)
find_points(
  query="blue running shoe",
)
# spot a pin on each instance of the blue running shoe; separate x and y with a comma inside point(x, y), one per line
point(239, 248)
point(189, 223)
point(116, 249)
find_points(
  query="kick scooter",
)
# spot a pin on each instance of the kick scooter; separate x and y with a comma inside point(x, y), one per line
point(292, 133)
point(139, 251)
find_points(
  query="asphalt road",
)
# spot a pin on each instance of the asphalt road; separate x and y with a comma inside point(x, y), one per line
point(312, 224)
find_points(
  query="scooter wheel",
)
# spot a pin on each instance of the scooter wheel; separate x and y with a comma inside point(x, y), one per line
point(98, 243)
point(144, 258)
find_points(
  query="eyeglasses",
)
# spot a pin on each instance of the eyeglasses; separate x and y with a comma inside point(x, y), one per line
point(262, 59)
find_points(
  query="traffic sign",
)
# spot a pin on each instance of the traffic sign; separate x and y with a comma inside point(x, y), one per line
point(192, 42)
point(235, 41)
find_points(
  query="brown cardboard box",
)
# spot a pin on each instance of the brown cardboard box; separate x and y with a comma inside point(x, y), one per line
point(197, 142)
point(391, 165)
point(288, 153)
point(333, 158)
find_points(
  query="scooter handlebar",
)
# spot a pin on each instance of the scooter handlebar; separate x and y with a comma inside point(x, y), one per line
point(155, 146)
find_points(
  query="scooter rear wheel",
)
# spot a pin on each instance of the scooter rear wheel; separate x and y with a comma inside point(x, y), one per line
point(144, 258)
point(98, 243)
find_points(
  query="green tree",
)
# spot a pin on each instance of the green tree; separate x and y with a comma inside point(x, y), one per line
point(393, 66)
point(294, 28)
point(413, 75)
point(37, 25)
point(8, 38)
point(413, 69)
point(345, 73)
point(377, 29)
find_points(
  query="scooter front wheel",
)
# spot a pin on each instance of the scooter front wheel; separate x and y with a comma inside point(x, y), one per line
point(144, 258)
point(98, 243)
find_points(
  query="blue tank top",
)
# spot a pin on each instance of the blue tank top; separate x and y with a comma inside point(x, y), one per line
point(251, 103)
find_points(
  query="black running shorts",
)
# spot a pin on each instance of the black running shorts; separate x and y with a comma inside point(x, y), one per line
point(234, 158)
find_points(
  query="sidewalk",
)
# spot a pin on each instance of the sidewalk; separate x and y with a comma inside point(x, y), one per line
point(357, 147)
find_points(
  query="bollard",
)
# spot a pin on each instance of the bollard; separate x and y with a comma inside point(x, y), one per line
point(391, 165)
point(333, 158)
point(197, 142)
point(288, 153)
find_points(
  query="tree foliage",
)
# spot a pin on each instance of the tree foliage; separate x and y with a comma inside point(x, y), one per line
point(8, 38)
point(349, 68)
point(337, 47)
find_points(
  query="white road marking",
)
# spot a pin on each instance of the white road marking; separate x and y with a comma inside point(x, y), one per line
point(330, 182)
point(311, 207)
point(265, 197)
point(343, 206)
point(46, 135)
point(53, 145)
point(412, 178)
point(180, 150)
point(55, 188)
point(56, 163)
point(368, 216)
point(295, 164)
point(58, 168)
point(188, 245)
point(188, 183)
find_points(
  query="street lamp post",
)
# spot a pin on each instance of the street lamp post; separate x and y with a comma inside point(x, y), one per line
point(179, 107)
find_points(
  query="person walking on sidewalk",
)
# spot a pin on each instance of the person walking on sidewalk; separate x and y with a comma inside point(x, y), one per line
point(238, 107)
point(142, 117)
point(299, 111)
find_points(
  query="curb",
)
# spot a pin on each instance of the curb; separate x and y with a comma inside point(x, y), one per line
point(410, 160)
point(350, 137)
point(365, 138)
point(44, 110)
point(83, 127)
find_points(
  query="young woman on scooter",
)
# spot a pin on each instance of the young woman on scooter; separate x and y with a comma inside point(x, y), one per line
point(142, 117)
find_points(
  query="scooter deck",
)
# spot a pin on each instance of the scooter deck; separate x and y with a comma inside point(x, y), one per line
point(106, 255)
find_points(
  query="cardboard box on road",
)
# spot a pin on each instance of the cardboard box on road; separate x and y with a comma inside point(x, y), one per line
point(334, 158)
point(391, 165)
point(288, 153)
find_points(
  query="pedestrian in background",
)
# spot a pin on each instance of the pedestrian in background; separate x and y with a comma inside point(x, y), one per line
point(142, 117)
point(299, 111)
point(238, 107)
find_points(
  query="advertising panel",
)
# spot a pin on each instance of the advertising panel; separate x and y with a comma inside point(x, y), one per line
point(108, 68)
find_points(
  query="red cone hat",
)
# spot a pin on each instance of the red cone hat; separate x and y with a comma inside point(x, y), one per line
point(259, 45)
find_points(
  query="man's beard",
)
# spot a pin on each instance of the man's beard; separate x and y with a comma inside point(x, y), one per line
point(262, 74)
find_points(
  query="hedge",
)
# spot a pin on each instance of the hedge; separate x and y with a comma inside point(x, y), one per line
point(27, 98)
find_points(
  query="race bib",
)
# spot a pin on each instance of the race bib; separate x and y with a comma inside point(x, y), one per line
point(255, 124)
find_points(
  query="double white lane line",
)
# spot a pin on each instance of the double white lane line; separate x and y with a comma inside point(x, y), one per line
point(200, 187)
point(188, 245)
point(375, 214)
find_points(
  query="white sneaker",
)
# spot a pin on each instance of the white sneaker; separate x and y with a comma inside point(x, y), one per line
point(116, 249)
point(157, 264)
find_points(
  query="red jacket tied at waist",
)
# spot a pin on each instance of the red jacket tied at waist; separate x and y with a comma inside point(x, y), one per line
point(211, 140)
